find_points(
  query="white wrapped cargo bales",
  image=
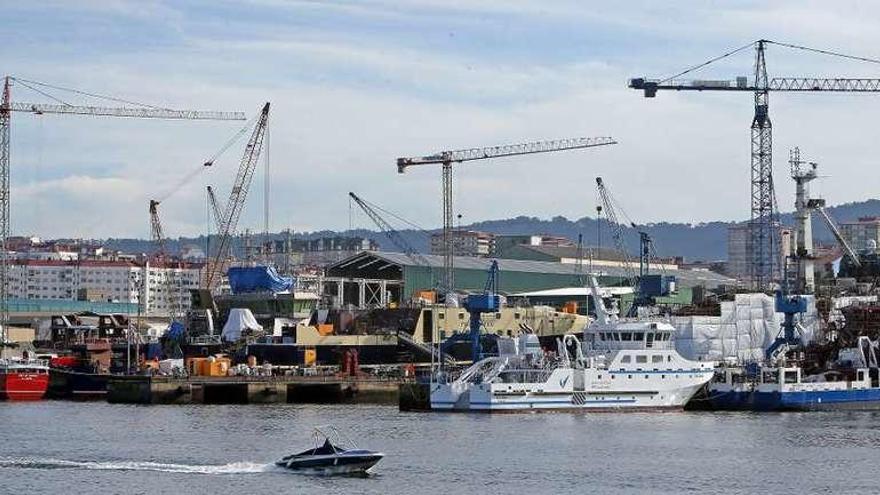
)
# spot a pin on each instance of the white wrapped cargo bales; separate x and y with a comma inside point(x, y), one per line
point(746, 328)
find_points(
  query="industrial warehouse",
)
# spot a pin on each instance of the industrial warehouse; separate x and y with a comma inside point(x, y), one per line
point(365, 277)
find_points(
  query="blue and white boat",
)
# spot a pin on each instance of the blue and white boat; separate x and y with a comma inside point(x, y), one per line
point(622, 364)
point(853, 382)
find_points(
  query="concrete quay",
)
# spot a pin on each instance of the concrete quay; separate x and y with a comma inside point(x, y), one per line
point(250, 390)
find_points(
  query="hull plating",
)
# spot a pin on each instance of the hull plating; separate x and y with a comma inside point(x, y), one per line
point(866, 399)
point(23, 385)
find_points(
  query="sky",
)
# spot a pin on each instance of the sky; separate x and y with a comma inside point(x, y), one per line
point(354, 85)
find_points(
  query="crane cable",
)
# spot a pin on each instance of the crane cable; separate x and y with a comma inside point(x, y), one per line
point(825, 52)
point(778, 43)
point(710, 61)
point(47, 95)
point(396, 216)
point(82, 93)
point(208, 163)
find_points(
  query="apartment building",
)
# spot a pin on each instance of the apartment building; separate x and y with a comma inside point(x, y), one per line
point(166, 286)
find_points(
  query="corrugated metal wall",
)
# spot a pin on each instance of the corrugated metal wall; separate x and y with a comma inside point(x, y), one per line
point(419, 278)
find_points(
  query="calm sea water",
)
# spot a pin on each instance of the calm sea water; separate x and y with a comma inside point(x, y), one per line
point(67, 448)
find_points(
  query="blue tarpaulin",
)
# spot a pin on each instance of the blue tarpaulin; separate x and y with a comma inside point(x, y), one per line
point(176, 330)
point(243, 279)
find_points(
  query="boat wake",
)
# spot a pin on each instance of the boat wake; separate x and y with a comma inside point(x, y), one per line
point(231, 468)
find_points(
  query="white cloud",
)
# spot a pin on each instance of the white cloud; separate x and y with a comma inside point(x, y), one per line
point(347, 100)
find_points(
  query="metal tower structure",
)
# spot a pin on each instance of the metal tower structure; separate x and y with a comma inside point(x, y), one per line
point(763, 238)
point(763, 244)
point(4, 209)
point(803, 173)
point(133, 110)
point(447, 158)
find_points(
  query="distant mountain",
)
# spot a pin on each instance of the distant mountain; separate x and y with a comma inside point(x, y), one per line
point(703, 241)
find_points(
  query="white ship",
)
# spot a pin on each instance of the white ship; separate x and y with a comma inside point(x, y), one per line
point(622, 364)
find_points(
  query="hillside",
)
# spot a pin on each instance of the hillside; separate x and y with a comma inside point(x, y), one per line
point(704, 241)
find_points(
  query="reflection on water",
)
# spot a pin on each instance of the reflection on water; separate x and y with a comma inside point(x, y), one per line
point(85, 447)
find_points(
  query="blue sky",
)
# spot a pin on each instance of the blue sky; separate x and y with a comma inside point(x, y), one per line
point(354, 85)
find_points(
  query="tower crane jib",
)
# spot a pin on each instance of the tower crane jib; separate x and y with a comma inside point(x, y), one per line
point(447, 158)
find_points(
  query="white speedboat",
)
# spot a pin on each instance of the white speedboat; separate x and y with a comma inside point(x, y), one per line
point(622, 364)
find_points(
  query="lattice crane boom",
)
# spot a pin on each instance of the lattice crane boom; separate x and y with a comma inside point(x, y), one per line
point(447, 158)
point(238, 195)
point(838, 236)
point(786, 84)
point(464, 155)
point(616, 230)
point(215, 209)
point(137, 113)
point(171, 281)
point(390, 232)
point(158, 237)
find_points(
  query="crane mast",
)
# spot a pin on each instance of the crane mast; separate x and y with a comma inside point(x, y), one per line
point(238, 196)
point(8, 106)
point(764, 224)
point(4, 210)
point(447, 158)
point(765, 259)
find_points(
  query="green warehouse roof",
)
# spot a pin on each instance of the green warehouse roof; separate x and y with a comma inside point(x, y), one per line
point(372, 263)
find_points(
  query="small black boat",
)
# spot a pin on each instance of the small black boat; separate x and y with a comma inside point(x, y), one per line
point(329, 457)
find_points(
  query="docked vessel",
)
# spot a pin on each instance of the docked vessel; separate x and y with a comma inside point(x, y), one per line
point(23, 378)
point(622, 364)
point(852, 383)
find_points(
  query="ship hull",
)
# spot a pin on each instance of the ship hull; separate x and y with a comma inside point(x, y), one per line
point(671, 392)
point(23, 385)
point(68, 384)
point(863, 399)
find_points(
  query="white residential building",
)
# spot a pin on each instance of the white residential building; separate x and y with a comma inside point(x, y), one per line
point(862, 234)
point(465, 243)
point(113, 281)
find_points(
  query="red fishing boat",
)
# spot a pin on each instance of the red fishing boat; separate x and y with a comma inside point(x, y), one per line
point(23, 379)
